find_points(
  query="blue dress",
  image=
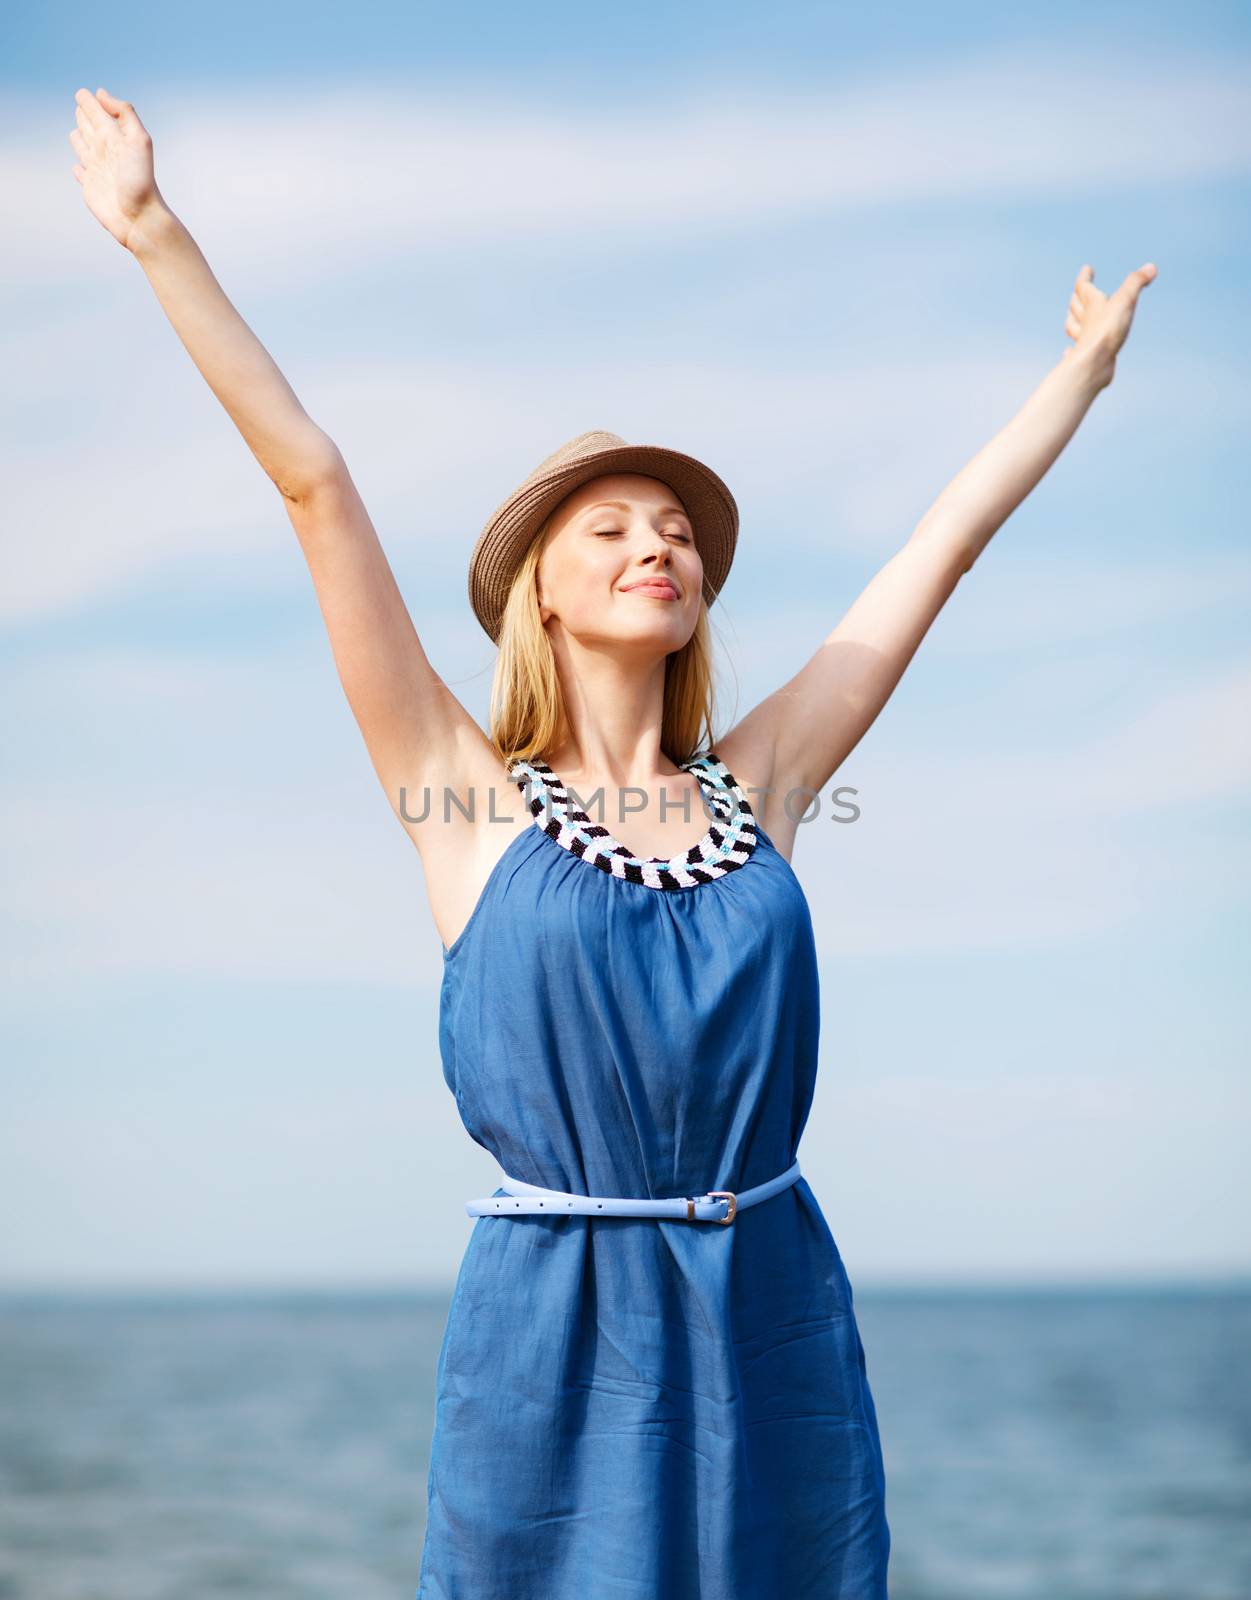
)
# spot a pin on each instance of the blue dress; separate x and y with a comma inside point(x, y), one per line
point(634, 1408)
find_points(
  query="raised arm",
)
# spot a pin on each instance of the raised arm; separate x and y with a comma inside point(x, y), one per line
point(799, 736)
point(415, 729)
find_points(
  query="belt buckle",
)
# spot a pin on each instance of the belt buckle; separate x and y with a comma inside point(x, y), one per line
point(716, 1194)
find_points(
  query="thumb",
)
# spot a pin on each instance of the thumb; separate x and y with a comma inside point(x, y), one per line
point(1137, 281)
point(127, 116)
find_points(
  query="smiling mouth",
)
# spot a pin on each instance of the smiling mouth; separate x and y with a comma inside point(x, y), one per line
point(659, 590)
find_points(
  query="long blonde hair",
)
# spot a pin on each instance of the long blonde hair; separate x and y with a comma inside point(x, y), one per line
point(527, 715)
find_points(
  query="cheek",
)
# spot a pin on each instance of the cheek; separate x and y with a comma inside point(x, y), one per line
point(581, 588)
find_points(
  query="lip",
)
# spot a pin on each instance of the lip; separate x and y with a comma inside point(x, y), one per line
point(658, 588)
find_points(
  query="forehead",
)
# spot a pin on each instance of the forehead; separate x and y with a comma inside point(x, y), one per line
point(632, 487)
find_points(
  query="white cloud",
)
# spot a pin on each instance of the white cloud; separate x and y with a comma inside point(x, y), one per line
point(285, 189)
point(154, 479)
point(119, 462)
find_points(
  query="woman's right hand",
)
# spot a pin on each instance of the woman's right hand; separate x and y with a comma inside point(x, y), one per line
point(115, 167)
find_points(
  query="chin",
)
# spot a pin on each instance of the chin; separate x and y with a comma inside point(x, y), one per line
point(651, 633)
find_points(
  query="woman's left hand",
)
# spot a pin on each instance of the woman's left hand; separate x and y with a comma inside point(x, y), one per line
point(1099, 323)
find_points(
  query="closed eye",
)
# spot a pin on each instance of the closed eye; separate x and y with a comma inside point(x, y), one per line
point(615, 533)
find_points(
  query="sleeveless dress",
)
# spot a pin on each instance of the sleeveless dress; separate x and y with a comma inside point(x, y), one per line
point(640, 1408)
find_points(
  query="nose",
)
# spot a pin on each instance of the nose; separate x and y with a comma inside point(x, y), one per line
point(661, 550)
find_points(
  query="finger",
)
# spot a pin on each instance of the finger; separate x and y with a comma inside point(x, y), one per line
point(127, 116)
point(80, 144)
point(1136, 281)
point(80, 172)
point(1086, 275)
point(1077, 308)
point(95, 135)
point(1073, 328)
point(97, 117)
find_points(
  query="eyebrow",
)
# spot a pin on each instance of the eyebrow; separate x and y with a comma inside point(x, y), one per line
point(622, 505)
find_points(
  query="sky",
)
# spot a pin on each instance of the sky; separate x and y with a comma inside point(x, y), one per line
point(828, 251)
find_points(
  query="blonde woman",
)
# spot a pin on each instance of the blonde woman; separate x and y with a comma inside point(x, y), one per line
point(651, 1381)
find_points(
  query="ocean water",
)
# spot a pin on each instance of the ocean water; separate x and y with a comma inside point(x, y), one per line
point(1039, 1445)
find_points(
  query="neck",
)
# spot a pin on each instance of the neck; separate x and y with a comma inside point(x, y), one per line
point(614, 714)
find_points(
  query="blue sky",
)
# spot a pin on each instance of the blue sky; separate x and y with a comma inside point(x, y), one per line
point(828, 251)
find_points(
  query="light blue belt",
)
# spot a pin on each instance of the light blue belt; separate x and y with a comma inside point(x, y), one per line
point(714, 1205)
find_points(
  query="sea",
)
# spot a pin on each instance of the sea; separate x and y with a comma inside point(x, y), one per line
point(1041, 1444)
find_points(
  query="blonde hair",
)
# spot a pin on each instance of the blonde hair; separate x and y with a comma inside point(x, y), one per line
point(527, 715)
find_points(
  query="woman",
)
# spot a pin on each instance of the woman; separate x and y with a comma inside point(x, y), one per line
point(662, 1391)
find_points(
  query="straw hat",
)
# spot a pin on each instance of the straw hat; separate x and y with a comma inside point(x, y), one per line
point(504, 541)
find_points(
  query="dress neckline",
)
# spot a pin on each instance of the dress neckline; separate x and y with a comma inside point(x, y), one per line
point(728, 843)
